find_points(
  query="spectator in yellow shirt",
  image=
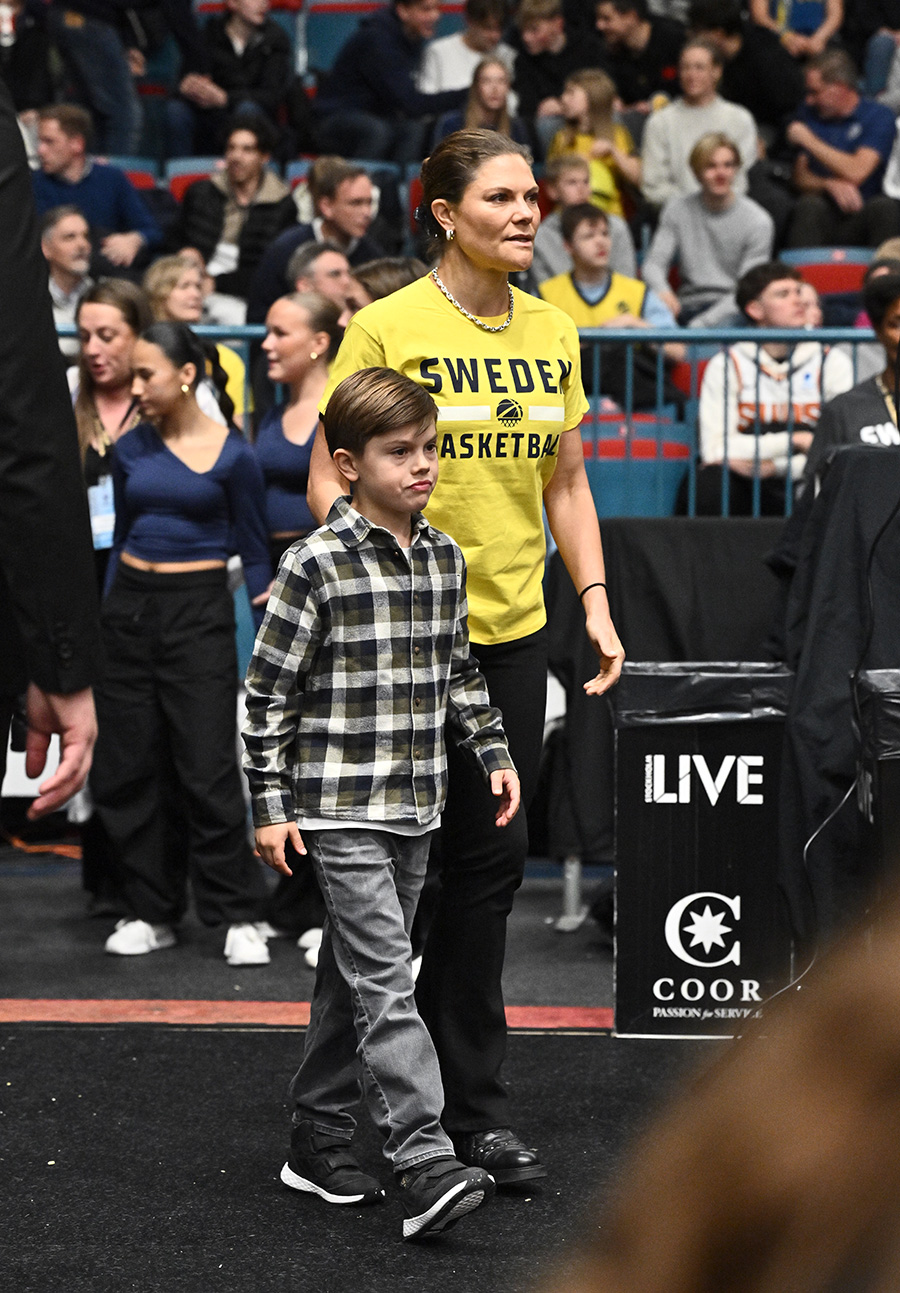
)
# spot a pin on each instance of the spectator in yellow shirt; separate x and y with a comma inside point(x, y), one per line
point(591, 131)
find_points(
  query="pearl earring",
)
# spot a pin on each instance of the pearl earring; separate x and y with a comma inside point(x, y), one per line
point(185, 389)
point(314, 354)
point(450, 235)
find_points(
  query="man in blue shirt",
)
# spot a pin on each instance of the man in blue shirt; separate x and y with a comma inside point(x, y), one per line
point(121, 224)
point(369, 105)
point(844, 141)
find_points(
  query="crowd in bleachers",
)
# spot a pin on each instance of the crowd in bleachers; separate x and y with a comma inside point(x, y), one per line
point(678, 145)
point(230, 170)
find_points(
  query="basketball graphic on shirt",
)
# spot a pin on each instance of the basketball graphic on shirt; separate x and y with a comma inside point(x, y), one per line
point(509, 413)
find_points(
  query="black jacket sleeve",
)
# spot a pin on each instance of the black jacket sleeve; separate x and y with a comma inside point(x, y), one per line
point(48, 590)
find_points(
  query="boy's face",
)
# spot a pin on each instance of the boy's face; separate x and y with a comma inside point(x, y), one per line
point(572, 187)
point(541, 34)
point(718, 174)
point(780, 305)
point(589, 246)
point(394, 475)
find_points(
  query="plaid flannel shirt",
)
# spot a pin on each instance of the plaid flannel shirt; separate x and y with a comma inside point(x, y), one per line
point(362, 655)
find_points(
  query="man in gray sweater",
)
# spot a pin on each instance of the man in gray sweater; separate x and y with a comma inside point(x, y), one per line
point(713, 236)
point(671, 133)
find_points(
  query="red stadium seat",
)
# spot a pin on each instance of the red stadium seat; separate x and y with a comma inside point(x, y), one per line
point(828, 277)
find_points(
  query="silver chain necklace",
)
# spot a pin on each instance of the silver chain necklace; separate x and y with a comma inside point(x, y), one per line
point(487, 327)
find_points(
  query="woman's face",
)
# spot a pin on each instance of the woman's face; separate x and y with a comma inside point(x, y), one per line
point(107, 343)
point(184, 304)
point(574, 102)
point(497, 216)
point(289, 342)
point(493, 87)
point(157, 382)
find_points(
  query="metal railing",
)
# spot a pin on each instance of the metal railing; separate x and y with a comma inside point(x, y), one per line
point(641, 452)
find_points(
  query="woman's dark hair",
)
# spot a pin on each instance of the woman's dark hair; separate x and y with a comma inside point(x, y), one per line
point(879, 295)
point(178, 344)
point(452, 166)
point(182, 346)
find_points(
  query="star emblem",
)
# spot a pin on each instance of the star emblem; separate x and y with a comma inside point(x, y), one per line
point(707, 929)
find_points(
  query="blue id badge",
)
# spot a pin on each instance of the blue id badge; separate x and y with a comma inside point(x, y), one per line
point(103, 512)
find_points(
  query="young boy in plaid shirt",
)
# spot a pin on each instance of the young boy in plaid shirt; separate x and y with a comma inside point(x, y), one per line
point(362, 657)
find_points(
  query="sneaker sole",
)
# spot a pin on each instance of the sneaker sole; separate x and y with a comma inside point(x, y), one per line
point(295, 1182)
point(447, 1211)
point(160, 946)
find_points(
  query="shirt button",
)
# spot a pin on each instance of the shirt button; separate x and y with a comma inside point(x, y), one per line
point(417, 754)
point(417, 702)
point(417, 650)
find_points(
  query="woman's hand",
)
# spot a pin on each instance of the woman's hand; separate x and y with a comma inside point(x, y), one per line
point(270, 841)
point(261, 598)
point(505, 784)
point(605, 641)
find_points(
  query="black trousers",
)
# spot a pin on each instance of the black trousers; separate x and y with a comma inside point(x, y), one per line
point(165, 779)
point(459, 991)
point(817, 221)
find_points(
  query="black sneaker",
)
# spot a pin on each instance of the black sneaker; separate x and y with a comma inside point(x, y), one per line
point(440, 1191)
point(319, 1163)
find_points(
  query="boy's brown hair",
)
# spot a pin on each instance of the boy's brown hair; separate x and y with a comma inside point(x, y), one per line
point(373, 402)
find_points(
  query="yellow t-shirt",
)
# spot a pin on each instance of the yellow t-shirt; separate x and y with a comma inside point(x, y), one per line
point(623, 296)
point(503, 401)
point(234, 369)
point(605, 192)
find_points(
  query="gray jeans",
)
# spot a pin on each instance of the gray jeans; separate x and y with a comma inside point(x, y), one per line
point(364, 1030)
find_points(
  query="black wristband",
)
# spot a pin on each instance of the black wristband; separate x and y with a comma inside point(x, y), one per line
point(598, 584)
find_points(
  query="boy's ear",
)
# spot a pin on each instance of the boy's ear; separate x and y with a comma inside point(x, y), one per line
point(343, 460)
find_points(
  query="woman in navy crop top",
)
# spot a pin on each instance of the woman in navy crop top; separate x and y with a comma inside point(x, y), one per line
point(302, 332)
point(188, 494)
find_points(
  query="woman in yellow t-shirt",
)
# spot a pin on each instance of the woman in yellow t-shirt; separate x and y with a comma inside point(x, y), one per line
point(592, 132)
point(504, 370)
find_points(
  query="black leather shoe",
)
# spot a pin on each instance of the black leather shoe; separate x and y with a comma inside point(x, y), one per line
point(500, 1152)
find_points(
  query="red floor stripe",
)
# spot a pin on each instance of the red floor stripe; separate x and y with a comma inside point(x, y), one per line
point(276, 1014)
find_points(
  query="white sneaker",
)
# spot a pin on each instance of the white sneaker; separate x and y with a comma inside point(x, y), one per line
point(244, 945)
point(136, 938)
point(267, 931)
point(311, 957)
point(312, 938)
